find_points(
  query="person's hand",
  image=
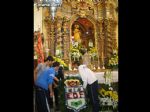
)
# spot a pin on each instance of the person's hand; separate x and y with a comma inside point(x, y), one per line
point(56, 79)
point(51, 94)
point(55, 85)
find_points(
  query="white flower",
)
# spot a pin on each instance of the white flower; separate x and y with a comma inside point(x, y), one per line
point(110, 88)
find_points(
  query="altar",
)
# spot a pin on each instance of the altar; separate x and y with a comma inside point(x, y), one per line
point(100, 75)
point(78, 30)
point(101, 79)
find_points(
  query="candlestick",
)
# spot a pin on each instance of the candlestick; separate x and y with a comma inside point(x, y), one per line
point(94, 67)
point(103, 60)
point(103, 67)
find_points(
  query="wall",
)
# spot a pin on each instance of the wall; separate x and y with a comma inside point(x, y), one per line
point(37, 18)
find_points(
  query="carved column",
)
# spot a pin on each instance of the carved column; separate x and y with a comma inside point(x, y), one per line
point(59, 40)
point(66, 41)
point(101, 41)
point(105, 41)
point(114, 26)
point(52, 36)
point(111, 42)
point(106, 24)
point(109, 30)
point(46, 26)
point(114, 38)
point(97, 44)
point(109, 38)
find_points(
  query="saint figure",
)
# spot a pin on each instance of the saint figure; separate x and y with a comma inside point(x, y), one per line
point(77, 34)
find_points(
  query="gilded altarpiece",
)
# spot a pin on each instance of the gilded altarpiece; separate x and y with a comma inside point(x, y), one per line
point(101, 14)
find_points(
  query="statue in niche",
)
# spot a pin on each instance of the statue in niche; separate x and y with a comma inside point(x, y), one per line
point(90, 43)
point(77, 34)
point(86, 59)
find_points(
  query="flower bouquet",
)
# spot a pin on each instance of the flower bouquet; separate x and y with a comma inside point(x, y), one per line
point(113, 61)
point(108, 99)
point(61, 62)
point(93, 53)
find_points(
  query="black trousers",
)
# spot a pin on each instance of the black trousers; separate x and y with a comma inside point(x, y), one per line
point(41, 99)
point(56, 98)
point(93, 95)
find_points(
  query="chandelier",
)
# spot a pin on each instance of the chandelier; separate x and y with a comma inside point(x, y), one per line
point(52, 4)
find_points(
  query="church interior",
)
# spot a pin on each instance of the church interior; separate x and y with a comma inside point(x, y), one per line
point(84, 31)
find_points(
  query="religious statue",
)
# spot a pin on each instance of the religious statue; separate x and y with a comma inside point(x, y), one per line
point(77, 34)
point(86, 59)
point(90, 43)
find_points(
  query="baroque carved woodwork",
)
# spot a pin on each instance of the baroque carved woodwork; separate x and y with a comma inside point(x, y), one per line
point(102, 14)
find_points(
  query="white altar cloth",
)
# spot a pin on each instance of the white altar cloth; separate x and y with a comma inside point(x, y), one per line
point(101, 79)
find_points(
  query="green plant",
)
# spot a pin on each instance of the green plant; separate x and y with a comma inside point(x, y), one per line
point(113, 61)
point(61, 62)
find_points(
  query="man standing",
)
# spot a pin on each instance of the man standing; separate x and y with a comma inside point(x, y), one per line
point(89, 81)
point(42, 84)
point(43, 66)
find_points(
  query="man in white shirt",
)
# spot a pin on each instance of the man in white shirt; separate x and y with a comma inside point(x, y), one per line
point(89, 81)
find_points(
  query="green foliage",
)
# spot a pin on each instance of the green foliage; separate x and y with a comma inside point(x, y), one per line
point(113, 61)
point(66, 68)
point(61, 62)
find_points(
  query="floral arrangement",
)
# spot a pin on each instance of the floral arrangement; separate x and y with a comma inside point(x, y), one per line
point(61, 62)
point(108, 77)
point(74, 93)
point(75, 53)
point(108, 98)
point(112, 94)
point(72, 82)
point(93, 53)
point(73, 77)
point(113, 61)
point(93, 50)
